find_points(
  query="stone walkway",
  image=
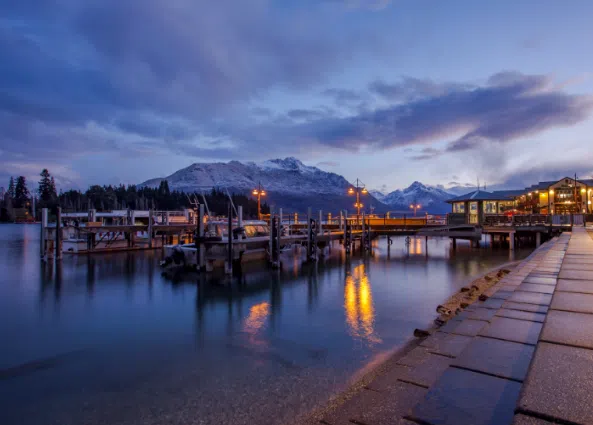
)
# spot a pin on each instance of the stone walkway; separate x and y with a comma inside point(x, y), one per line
point(524, 356)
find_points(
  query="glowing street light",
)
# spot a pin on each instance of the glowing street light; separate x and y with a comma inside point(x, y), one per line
point(259, 192)
point(357, 190)
point(415, 207)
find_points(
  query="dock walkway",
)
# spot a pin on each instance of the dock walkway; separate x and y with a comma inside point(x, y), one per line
point(523, 357)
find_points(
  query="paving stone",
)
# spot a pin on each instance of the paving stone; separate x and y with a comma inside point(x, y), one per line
point(560, 383)
point(564, 327)
point(531, 298)
point(504, 359)
point(528, 420)
point(414, 357)
point(462, 397)
point(481, 314)
point(450, 326)
point(525, 307)
point(427, 372)
point(513, 330)
point(446, 344)
point(490, 303)
point(469, 327)
point(377, 408)
point(522, 315)
point(576, 274)
point(541, 280)
point(387, 381)
point(502, 295)
point(534, 287)
point(583, 286)
point(575, 266)
point(569, 301)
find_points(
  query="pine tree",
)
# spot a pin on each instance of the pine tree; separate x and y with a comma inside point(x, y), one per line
point(11, 187)
point(47, 187)
point(21, 193)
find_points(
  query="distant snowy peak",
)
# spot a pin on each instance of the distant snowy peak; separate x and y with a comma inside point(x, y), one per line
point(379, 196)
point(288, 176)
point(418, 193)
point(288, 164)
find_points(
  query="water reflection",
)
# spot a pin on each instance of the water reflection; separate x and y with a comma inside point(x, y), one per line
point(358, 305)
point(255, 322)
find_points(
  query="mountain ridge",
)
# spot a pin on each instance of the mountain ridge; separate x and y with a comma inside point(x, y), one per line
point(291, 184)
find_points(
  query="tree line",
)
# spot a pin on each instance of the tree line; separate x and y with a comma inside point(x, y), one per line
point(18, 200)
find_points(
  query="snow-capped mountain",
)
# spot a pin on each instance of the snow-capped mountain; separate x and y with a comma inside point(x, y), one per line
point(295, 186)
point(288, 182)
point(430, 198)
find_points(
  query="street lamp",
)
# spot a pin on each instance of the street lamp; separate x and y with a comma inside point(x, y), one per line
point(415, 207)
point(357, 190)
point(259, 192)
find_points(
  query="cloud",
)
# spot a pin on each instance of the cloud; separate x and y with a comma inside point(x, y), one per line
point(345, 96)
point(410, 88)
point(328, 164)
point(508, 107)
point(426, 153)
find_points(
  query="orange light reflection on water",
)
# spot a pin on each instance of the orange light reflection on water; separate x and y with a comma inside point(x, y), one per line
point(358, 305)
point(256, 321)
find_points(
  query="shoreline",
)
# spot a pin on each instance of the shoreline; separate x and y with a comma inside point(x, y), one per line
point(362, 378)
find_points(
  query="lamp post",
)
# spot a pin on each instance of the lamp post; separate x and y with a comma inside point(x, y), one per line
point(415, 207)
point(357, 190)
point(259, 192)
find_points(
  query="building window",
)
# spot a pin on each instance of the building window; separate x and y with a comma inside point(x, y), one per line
point(489, 207)
point(458, 208)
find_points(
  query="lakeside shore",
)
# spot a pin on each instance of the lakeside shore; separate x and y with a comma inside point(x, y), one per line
point(384, 362)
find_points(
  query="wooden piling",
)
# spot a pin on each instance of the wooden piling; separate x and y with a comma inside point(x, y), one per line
point(229, 266)
point(59, 234)
point(201, 246)
point(150, 228)
point(43, 244)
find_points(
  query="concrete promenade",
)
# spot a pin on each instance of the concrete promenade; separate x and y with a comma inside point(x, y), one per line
point(524, 356)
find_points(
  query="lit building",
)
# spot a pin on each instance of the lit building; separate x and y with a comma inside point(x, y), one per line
point(564, 196)
point(472, 207)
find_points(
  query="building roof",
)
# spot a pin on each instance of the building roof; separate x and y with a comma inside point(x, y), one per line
point(482, 195)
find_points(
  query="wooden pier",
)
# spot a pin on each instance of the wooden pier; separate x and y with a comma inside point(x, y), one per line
point(92, 232)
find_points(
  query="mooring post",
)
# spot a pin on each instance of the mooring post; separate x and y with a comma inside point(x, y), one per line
point(150, 228)
point(59, 234)
point(44, 214)
point(320, 224)
point(278, 236)
point(454, 243)
point(201, 246)
point(512, 241)
point(167, 218)
point(229, 265)
point(271, 241)
point(309, 233)
point(363, 235)
point(341, 221)
point(538, 239)
point(240, 219)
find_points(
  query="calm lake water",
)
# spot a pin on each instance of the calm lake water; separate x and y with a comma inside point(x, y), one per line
point(106, 339)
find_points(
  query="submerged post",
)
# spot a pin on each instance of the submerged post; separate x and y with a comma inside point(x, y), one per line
point(512, 241)
point(44, 213)
point(59, 234)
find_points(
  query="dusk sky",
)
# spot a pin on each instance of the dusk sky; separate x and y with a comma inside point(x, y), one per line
point(444, 92)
